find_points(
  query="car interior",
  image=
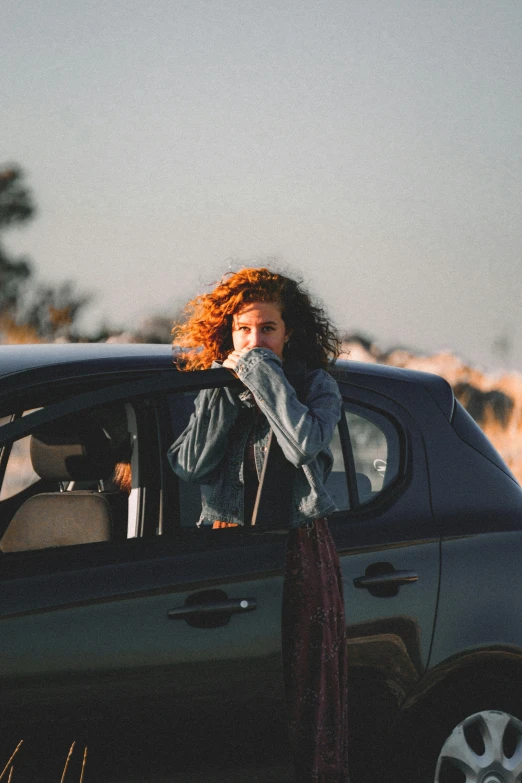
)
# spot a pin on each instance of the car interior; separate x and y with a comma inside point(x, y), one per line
point(77, 498)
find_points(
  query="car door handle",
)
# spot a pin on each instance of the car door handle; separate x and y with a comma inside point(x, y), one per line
point(227, 607)
point(392, 578)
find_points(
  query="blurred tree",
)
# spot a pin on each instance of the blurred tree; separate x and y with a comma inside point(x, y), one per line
point(30, 312)
point(51, 311)
point(16, 206)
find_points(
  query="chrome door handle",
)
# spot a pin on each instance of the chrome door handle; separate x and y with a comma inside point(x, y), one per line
point(229, 607)
point(392, 578)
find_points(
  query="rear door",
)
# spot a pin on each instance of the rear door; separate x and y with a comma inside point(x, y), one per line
point(389, 550)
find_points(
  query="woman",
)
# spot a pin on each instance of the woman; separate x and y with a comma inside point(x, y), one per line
point(257, 324)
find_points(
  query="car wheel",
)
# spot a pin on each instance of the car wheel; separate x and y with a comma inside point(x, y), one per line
point(470, 732)
point(485, 747)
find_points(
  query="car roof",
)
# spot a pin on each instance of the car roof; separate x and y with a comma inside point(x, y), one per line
point(20, 358)
point(73, 359)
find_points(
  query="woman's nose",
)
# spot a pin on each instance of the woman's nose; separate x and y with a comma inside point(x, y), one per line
point(256, 339)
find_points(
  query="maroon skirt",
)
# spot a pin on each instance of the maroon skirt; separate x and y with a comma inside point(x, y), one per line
point(314, 655)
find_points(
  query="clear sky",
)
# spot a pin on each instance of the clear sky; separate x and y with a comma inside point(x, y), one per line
point(373, 146)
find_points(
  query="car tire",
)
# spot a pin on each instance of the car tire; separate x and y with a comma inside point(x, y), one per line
point(472, 733)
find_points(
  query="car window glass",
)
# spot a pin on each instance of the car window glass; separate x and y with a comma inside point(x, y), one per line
point(19, 472)
point(375, 446)
point(71, 481)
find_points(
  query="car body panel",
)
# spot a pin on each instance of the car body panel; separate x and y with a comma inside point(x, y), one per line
point(470, 570)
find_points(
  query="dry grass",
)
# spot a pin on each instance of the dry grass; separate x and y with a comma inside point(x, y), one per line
point(9, 767)
point(14, 333)
point(9, 764)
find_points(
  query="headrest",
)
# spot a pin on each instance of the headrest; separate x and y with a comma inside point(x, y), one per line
point(74, 448)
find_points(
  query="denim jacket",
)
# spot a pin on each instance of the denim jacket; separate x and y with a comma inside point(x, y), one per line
point(211, 449)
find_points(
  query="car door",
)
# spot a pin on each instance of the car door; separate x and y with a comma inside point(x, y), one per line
point(165, 648)
point(389, 551)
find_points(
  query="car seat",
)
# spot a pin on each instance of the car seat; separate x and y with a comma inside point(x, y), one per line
point(77, 454)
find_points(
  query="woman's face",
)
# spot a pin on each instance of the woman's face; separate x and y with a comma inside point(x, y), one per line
point(259, 325)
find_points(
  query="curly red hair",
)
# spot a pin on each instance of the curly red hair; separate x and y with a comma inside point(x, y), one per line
point(206, 333)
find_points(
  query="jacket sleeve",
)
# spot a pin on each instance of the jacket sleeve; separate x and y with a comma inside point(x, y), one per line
point(302, 429)
point(201, 446)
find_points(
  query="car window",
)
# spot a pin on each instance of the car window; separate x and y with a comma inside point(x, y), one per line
point(72, 481)
point(372, 445)
point(375, 446)
point(19, 473)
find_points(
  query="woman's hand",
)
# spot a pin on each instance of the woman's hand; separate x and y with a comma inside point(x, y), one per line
point(233, 358)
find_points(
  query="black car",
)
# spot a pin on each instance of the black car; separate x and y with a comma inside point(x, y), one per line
point(156, 642)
